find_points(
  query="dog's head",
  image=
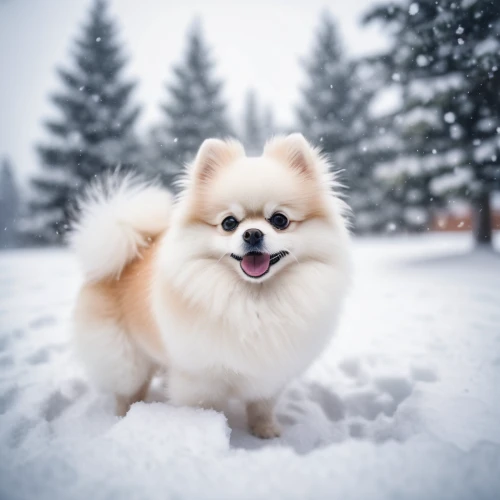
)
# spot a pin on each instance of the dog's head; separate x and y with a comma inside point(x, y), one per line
point(255, 217)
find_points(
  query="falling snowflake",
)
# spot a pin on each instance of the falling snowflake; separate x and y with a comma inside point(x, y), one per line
point(414, 8)
point(456, 132)
point(460, 41)
point(459, 31)
point(422, 60)
point(98, 39)
point(449, 117)
point(396, 77)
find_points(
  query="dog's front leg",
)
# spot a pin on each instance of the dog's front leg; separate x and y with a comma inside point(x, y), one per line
point(261, 420)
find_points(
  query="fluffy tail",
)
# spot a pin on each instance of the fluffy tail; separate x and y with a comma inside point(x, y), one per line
point(117, 216)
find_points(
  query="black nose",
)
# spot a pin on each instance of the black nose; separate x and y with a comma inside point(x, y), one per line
point(253, 236)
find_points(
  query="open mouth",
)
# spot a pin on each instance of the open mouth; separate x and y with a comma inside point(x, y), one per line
point(256, 264)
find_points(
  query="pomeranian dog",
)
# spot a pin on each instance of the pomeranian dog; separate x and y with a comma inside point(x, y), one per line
point(233, 289)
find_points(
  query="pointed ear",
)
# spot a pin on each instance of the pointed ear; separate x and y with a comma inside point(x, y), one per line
point(296, 152)
point(213, 154)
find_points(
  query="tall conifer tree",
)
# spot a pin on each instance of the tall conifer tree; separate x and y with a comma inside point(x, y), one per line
point(94, 131)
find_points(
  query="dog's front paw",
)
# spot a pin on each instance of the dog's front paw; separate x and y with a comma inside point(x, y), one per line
point(265, 430)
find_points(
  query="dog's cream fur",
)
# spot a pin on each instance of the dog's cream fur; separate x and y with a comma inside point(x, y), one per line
point(162, 289)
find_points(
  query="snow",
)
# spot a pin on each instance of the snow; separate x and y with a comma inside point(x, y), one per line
point(449, 117)
point(486, 124)
point(415, 165)
point(386, 101)
point(427, 89)
point(415, 215)
point(488, 46)
point(486, 150)
point(420, 115)
point(495, 201)
point(422, 60)
point(456, 132)
point(410, 165)
point(457, 179)
point(468, 3)
point(414, 8)
point(404, 404)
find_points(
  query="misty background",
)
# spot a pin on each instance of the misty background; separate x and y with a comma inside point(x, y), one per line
point(402, 96)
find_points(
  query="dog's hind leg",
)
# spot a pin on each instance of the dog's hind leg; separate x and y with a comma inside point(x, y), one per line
point(111, 358)
point(123, 403)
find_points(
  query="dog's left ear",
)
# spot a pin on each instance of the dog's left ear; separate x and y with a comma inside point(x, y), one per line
point(296, 152)
point(213, 154)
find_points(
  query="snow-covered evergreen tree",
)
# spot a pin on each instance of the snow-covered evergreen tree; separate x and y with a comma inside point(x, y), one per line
point(371, 199)
point(9, 206)
point(446, 56)
point(333, 115)
point(254, 133)
point(94, 130)
point(325, 111)
point(194, 111)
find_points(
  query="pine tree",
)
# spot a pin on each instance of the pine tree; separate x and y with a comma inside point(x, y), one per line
point(9, 206)
point(446, 56)
point(333, 114)
point(369, 197)
point(94, 130)
point(254, 133)
point(194, 111)
point(325, 113)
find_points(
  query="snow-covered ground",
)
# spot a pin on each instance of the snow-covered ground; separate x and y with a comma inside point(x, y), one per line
point(405, 404)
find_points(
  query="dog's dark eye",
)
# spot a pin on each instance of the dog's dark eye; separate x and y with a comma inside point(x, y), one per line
point(279, 221)
point(229, 223)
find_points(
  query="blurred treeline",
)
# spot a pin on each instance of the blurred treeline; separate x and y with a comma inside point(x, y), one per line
point(437, 145)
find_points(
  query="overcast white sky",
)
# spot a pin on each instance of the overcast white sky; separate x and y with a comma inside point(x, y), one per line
point(256, 44)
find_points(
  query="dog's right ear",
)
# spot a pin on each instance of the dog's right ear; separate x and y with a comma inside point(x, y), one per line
point(214, 154)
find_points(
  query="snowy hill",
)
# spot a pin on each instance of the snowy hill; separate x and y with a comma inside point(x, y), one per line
point(405, 404)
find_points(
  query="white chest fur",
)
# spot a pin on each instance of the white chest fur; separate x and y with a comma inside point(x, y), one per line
point(256, 338)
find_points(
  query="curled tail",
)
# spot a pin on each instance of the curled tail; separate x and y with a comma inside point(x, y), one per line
point(116, 217)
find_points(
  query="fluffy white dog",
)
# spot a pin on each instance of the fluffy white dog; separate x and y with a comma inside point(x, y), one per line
point(234, 288)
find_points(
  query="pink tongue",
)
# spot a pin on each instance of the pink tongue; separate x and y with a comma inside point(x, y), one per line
point(256, 265)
